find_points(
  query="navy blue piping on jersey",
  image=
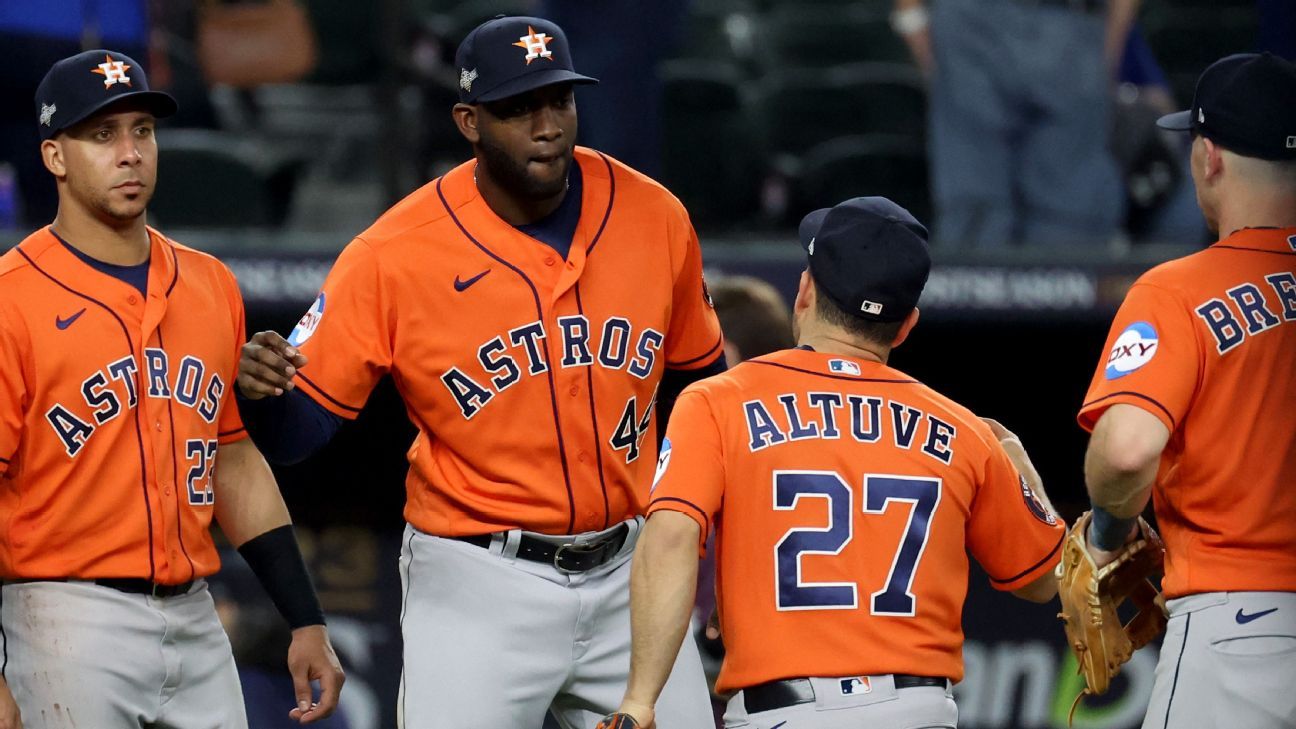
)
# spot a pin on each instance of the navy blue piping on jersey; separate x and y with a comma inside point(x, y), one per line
point(139, 435)
point(175, 476)
point(606, 213)
point(553, 389)
point(719, 344)
point(1253, 250)
point(1032, 568)
point(1139, 395)
point(847, 378)
point(226, 433)
point(327, 396)
point(1178, 662)
point(598, 442)
point(706, 521)
point(4, 461)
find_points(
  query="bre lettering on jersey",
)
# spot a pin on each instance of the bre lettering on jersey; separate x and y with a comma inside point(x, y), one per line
point(1135, 347)
point(826, 416)
point(502, 360)
point(1249, 309)
point(104, 392)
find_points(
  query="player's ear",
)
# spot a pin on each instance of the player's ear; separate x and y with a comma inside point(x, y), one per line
point(805, 297)
point(1213, 159)
point(466, 118)
point(52, 155)
point(907, 326)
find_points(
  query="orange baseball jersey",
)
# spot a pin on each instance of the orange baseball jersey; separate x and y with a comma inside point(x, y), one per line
point(845, 497)
point(112, 407)
point(1207, 344)
point(531, 379)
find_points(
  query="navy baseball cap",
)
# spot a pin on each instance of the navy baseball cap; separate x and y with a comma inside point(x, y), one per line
point(508, 56)
point(78, 86)
point(1247, 104)
point(869, 256)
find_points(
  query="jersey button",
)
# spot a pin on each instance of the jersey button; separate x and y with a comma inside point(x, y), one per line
point(159, 426)
point(575, 390)
point(583, 457)
point(549, 261)
point(132, 300)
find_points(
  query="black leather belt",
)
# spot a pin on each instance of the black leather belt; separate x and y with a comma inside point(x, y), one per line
point(564, 557)
point(133, 585)
point(793, 691)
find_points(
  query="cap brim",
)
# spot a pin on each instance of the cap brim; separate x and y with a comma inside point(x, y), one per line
point(159, 104)
point(532, 81)
point(810, 226)
point(1180, 121)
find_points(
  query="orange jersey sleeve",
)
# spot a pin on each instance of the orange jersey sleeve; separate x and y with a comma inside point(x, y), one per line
point(1010, 532)
point(1153, 358)
point(694, 339)
point(13, 388)
point(1206, 343)
point(347, 333)
point(230, 425)
point(690, 469)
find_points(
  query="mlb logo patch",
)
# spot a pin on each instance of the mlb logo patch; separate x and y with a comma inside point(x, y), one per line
point(871, 307)
point(1291, 142)
point(843, 367)
point(856, 686)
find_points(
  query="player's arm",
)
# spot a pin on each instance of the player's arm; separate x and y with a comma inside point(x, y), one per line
point(9, 717)
point(1044, 587)
point(662, 585)
point(252, 514)
point(674, 381)
point(1120, 465)
point(287, 425)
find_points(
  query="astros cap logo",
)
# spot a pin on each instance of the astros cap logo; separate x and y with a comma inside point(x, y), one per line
point(113, 72)
point(536, 45)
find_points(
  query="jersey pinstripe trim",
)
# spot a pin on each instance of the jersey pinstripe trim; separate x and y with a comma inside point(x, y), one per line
point(608, 212)
point(719, 345)
point(225, 433)
point(706, 521)
point(825, 375)
point(327, 396)
point(175, 473)
point(549, 376)
point(1047, 558)
point(1251, 250)
point(1138, 395)
point(139, 434)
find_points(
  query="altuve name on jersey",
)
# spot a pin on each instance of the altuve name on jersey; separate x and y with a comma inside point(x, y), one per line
point(793, 417)
point(617, 348)
point(1257, 313)
point(103, 390)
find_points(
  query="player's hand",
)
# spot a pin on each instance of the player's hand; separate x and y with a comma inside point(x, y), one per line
point(1003, 434)
point(712, 631)
point(267, 366)
point(311, 658)
point(9, 718)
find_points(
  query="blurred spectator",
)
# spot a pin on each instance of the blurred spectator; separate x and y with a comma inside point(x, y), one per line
point(1020, 116)
point(621, 44)
point(34, 35)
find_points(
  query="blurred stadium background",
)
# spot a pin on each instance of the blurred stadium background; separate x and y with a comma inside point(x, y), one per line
point(761, 110)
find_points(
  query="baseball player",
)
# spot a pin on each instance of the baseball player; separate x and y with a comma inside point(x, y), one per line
point(845, 497)
point(532, 305)
point(1194, 406)
point(120, 441)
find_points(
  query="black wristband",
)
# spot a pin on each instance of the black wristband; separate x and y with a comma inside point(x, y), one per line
point(277, 562)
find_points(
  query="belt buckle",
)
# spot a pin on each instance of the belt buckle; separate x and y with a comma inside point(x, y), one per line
point(575, 548)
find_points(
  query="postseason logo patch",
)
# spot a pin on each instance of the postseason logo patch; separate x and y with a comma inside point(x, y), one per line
point(1135, 347)
point(1034, 504)
point(663, 460)
point(308, 324)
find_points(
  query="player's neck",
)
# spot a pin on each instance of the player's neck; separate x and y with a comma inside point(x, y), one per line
point(514, 209)
point(1276, 210)
point(829, 341)
point(118, 243)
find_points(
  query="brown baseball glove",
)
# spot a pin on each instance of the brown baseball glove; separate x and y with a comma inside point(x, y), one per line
point(1090, 596)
